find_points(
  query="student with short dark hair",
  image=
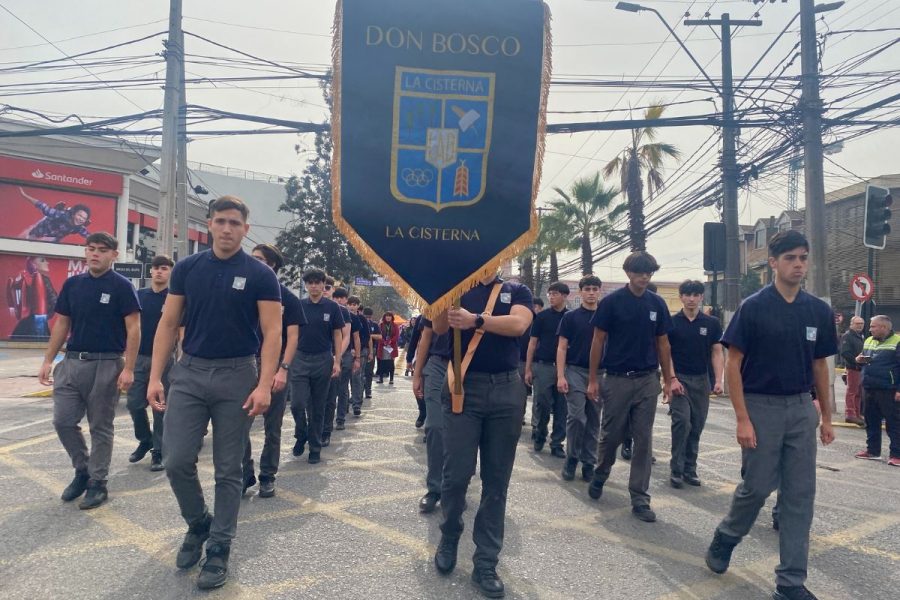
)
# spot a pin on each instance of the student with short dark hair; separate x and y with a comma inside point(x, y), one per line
point(358, 375)
point(336, 412)
point(292, 319)
point(152, 300)
point(573, 352)
point(315, 364)
point(224, 298)
point(98, 319)
point(374, 336)
point(778, 343)
point(631, 327)
point(540, 373)
point(695, 345)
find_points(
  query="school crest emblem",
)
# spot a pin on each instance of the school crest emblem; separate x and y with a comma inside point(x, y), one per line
point(441, 136)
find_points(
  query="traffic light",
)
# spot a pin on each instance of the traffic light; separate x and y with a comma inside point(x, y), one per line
point(878, 216)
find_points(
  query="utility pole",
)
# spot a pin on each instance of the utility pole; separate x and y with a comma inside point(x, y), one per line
point(729, 160)
point(181, 187)
point(168, 158)
point(814, 178)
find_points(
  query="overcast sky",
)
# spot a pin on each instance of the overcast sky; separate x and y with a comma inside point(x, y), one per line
point(591, 40)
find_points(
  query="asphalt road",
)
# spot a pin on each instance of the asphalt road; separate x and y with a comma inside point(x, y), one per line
point(349, 528)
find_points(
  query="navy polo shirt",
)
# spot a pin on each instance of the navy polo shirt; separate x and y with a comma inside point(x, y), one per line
point(495, 353)
point(780, 340)
point(692, 342)
point(291, 314)
point(323, 317)
point(221, 317)
point(365, 332)
point(575, 326)
point(354, 324)
point(151, 311)
point(544, 328)
point(97, 307)
point(440, 344)
point(632, 324)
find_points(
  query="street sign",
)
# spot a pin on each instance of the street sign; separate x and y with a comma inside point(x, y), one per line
point(130, 270)
point(861, 287)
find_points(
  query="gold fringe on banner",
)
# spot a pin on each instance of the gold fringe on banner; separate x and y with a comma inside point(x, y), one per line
point(368, 254)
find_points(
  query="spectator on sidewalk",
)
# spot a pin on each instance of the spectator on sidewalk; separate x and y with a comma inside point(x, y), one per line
point(881, 382)
point(851, 347)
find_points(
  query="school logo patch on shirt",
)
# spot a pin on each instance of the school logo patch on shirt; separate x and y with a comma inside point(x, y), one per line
point(327, 317)
point(703, 331)
point(505, 297)
point(653, 316)
point(239, 283)
point(104, 298)
point(811, 334)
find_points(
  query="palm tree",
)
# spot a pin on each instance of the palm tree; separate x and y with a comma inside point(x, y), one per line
point(554, 238)
point(635, 159)
point(588, 213)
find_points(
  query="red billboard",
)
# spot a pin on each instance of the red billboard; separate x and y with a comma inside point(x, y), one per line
point(32, 285)
point(32, 172)
point(53, 215)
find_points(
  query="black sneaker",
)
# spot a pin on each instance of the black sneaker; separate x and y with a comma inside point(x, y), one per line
point(368, 396)
point(156, 463)
point(266, 487)
point(299, 447)
point(249, 482)
point(568, 470)
point(488, 583)
point(587, 472)
point(644, 513)
point(626, 451)
point(428, 502)
point(140, 452)
point(313, 458)
point(595, 490)
point(357, 411)
point(718, 556)
point(95, 496)
point(340, 426)
point(214, 571)
point(793, 592)
point(676, 481)
point(557, 452)
point(192, 546)
point(538, 445)
point(326, 440)
point(445, 555)
point(691, 479)
point(420, 421)
point(77, 487)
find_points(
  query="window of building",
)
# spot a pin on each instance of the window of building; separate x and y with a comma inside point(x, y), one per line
point(760, 238)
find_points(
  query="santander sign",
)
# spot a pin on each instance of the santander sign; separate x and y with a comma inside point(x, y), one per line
point(60, 176)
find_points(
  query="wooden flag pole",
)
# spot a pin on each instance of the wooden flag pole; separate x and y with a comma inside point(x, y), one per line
point(456, 394)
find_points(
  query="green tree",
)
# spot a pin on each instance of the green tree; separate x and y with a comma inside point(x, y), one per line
point(311, 239)
point(750, 284)
point(381, 299)
point(635, 160)
point(588, 213)
point(554, 238)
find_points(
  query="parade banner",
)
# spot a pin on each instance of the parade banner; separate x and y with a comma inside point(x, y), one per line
point(438, 125)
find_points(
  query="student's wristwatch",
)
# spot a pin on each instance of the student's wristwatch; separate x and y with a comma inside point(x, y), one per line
point(479, 321)
point(285, 366)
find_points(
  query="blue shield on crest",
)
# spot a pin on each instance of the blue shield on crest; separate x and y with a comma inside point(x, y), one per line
point(441, 136)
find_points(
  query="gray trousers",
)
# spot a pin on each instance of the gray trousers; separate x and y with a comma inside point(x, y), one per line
point(489, 428)
point(689, 413)
point(271, 452)
point(137, 404)
point(547, 401)
point(204, 390)
point(582, 418)
point(339, 394)
point(785, 453)
point(629, 405)
point(357, 379)
point(86, 387)
point(434, 374)
point(310, 382)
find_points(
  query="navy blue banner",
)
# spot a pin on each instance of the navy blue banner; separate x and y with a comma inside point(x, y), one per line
point(438, 128)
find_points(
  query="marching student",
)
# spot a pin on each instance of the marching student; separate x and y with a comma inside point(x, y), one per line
point(292, 319)
point(573, 353)
point(540, 373)
point(374, 337)
point(490, 422)
point(357, 379)
point(152, 300)
point(631, 327)
point(695, 344)
point(223, 297)
point(778, 342)
point(339, 394)
point(100, 310)
point(315, 364)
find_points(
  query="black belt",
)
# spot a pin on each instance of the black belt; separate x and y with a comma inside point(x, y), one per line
point(631, 374)
point(93, 355)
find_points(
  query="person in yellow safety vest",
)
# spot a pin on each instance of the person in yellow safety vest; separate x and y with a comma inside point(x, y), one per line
point(881, 383)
